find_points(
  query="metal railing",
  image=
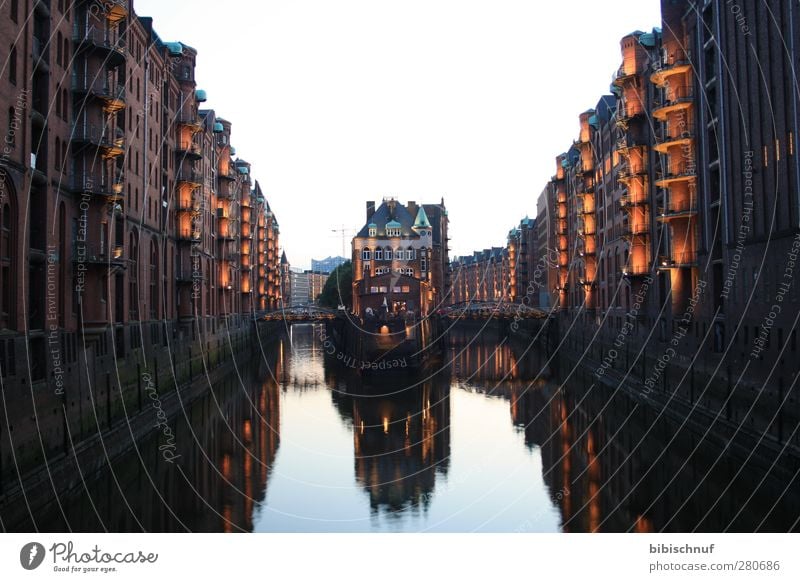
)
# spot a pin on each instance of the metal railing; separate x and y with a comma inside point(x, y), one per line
point(98, 37)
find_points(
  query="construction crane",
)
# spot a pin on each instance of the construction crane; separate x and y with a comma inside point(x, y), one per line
point(344, 231)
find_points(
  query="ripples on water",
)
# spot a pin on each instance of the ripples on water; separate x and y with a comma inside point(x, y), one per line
point(489, 443)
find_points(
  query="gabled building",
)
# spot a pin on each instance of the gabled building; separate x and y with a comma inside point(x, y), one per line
point(400, 259)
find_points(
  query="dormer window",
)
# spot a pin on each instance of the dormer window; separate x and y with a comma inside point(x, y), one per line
point(392, 232)
point(373, 232)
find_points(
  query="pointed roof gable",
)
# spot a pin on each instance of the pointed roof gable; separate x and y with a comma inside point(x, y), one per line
point(422, 219)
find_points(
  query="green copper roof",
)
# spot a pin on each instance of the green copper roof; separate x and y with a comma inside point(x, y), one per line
point(648, 39)
point(200, 95)
point(422, 219)
point(218, 127)
point(175, 49)
point(393, 224)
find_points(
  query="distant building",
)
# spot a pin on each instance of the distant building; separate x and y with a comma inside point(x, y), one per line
point(305, 286)
point(326, 266)
point(400, 258)
point(286, 281)
point(300, 288)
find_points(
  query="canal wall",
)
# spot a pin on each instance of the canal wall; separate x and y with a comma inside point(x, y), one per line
point(58, 438)
point(741, 409)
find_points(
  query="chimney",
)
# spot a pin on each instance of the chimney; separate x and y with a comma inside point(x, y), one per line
point(413, 208)
point(370, 210)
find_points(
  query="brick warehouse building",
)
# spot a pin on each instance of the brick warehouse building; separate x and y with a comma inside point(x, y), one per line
point(507, 274)
point(129, 227)
point(400, 257)
point(675, 216)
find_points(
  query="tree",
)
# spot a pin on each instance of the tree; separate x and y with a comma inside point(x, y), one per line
point(338, 289)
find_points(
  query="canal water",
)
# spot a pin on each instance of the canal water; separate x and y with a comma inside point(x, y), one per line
point(294, 442)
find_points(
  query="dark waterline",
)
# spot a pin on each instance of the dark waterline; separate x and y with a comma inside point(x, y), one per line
point(293, 444)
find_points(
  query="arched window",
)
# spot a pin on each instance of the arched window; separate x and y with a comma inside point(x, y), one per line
point(409, 254)
point(60, 48)
point(379, 254)
point(387, 254)
point(366, 255)
point(57, 157)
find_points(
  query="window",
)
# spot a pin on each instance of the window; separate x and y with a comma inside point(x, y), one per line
point(59, 48)
point(410, 254)
point(378, 254)
point(366, 255)
point(373, 232)
point(392, 232)
point(423, 264)
point(14, 9)
point(388, 254)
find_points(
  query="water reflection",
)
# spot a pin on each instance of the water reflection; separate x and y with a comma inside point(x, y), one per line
point(401, 443)
point(489, 443)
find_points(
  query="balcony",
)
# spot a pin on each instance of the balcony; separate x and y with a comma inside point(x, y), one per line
point(191, 177)
point(627, 201)
point(665, 141)
point(190, 120)
point(189, 204)
point(675, 64)
point(633, 271)
point(112, 95)
point(91, 38)
point(627, 172)
point(111, 141)
point(625, 114)
point(188, 149)
point(99, 255)
point(682, 208)
point(636, 229)
point(192, 235)
point(116, 10)
point(625, 144)
point(104, 188)
point(677, 172)
point(678, 260)
point(624, 75)
point(676, 99)
point(229, 174)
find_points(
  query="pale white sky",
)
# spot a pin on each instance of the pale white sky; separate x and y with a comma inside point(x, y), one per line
point(339, 102)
